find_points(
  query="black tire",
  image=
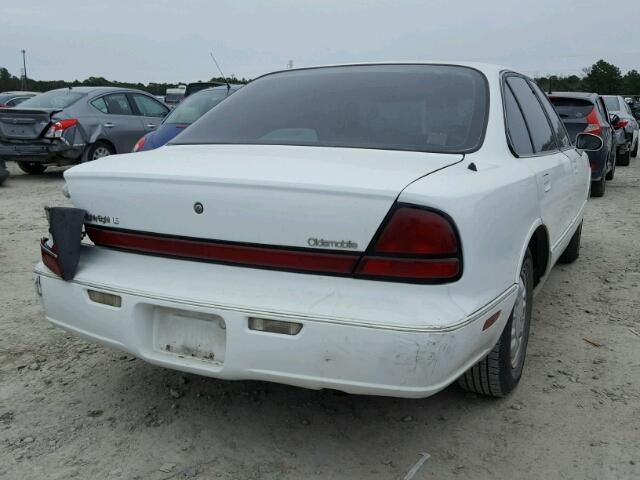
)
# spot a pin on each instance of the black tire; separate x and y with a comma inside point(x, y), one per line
point(496, 375)
point(97, 150)
point(598, 187)
point(634, 152)
point(623, 158)
point(572, 252)
point(32, 168)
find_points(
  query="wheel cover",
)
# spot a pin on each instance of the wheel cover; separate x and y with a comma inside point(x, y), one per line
point(518, 322)
point(100, 152)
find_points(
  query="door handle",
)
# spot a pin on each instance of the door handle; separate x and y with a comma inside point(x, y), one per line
point(151, 125)
point(546, 182)
point(109, 125)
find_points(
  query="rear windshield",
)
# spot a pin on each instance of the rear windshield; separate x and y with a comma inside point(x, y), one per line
point(432, 108)
point(612, 103)
point(53, 99)
point(193, 107)
point(572, 107)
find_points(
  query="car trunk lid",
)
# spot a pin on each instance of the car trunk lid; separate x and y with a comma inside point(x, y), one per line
point(24, 124)
point(305, 197)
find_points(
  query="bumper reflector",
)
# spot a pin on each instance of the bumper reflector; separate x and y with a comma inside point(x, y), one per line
point(491, 320)
point(274, 326)
point(105, 298)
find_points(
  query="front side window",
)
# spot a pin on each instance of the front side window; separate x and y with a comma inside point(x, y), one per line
point(541, 133)
point(430, 108)
point(149, 107)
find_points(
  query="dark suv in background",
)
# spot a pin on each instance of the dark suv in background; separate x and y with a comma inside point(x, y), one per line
point(587, 113)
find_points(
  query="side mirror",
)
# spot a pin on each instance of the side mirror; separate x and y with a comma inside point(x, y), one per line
point(588, 142)
point(614, 119)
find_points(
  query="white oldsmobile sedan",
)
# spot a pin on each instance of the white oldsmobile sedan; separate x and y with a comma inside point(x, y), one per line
point(372, 228)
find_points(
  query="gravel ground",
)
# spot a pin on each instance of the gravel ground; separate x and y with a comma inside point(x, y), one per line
point(70, 409)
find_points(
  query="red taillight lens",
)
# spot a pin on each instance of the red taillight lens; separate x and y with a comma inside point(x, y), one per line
point(593, 126)
point(621, 124)
point(139, 144)
point(57, 129)
point(417, 231)
point(415, 245)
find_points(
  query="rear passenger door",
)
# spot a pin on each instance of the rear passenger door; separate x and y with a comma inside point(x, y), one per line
point(150, 110)
point(532, 139)
point(580, 166)
point(121, 126)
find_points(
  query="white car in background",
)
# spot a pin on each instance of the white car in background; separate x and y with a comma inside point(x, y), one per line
point(375, 228)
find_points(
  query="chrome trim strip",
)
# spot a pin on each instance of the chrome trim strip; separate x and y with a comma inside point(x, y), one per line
point(293, 316)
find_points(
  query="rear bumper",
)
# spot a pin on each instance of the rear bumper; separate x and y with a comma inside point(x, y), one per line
point(40, 152)
point(357, 336)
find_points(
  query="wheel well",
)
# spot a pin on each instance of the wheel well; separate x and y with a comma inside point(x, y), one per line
point(539, 248)
point(102, 140)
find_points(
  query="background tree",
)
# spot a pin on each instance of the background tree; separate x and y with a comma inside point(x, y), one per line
point(603, 78)
point(631, 83)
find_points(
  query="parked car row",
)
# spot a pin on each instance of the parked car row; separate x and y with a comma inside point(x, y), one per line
point(75, 125)
point(606, 116)
point(372, 228)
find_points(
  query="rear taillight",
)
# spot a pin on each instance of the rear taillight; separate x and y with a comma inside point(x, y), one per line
point(415, 244)
point(57, 129)
point(139, 144)
point(621, 124)
point(593, 126)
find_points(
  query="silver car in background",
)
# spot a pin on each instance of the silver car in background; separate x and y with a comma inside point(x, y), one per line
point(626, 127)
point(74, 125)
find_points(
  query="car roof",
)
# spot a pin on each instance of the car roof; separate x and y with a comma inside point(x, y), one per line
point(489, 69)
point(583, 95)
point(19, 93)
point(93, 90)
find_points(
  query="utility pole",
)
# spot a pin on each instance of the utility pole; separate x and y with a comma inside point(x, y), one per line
point(24, 66)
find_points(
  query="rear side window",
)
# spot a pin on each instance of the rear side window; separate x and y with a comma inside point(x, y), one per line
point(541, 134)
point(612, 103)
point(562, 137)
point(149, 107)
point(516, 127)
point(100, 104)
point(117, 104)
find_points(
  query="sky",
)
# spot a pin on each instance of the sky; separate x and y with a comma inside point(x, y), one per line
point(170, 41)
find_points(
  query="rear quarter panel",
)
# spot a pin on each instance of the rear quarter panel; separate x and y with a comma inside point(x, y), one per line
point(496, 211)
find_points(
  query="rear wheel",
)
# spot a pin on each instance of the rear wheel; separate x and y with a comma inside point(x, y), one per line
point(598, 187)
point(572, 252)
point(97, 150)
point(32, 168)
point(634, 152)
point(500, 371)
